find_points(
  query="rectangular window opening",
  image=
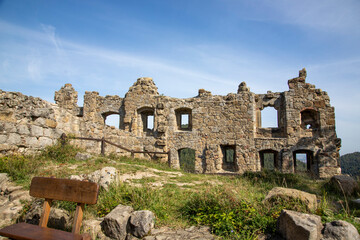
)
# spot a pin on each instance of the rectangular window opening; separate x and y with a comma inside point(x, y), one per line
point(185, 121)
point(150, 122)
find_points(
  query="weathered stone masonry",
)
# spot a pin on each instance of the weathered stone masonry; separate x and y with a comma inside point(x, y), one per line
point(214, 126)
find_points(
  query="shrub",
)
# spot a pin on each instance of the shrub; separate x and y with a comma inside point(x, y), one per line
point(61, 153)
point(19, 167)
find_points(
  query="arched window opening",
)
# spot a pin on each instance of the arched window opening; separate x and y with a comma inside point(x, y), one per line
point(229, 157)
point(269, 118)
point(303, 160)
point(268, 159)
point(309, 119)
point(184, 119)
point(112, 119)
point(147, 119)
point(187, 159)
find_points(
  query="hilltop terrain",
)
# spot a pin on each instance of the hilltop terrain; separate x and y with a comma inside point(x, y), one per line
point(231, 205)
point(350, 164)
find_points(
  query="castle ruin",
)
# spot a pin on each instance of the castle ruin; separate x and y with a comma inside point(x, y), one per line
point(224, 132)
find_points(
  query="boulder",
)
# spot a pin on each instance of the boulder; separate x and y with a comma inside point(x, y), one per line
point(293, 225)
point(141, 223)
point(82, 156)
point(292, 194)
point(340, 230)
point(115, 223)
point(344, 184)
point(105, 176)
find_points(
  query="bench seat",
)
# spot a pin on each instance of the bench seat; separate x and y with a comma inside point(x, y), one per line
point(25, 231)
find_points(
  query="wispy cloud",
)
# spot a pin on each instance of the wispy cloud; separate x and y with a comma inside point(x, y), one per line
point(50, 32)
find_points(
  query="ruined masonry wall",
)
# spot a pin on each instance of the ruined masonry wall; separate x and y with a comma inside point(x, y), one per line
point(306, 125)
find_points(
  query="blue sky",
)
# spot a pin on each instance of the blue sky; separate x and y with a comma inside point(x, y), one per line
point(185, 45)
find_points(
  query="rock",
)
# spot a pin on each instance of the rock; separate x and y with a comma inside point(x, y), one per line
point(340, 230)
point(166, 233)
point(299, 226)
point(292, 194)
point(3, 178)
point(21, 195)
point(76, 177)
point(93, 228)
point(58, 219)
point(344, 184)
point(131, 237)
point(105, 176)
point(141, 223)
point(82, 156)
point(40, 112)
point(115, 223)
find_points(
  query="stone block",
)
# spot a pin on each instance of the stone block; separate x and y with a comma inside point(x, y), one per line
point(3, 139)
point(14, 139)
point(50, 123)
point(141, 223)
point(299, 226)
point(115, 223)
point(40, 112)
point(32, 141)
point(36, 131)
point(23, 129)
point(339, 229)
point(45, 141)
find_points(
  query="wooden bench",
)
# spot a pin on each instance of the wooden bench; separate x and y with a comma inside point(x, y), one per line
point(81, 192)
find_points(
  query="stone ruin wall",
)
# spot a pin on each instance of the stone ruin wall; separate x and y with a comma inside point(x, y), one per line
point(306, 124)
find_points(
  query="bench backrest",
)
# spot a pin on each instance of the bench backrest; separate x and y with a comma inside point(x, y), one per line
point(81, 192)
point(64, 189)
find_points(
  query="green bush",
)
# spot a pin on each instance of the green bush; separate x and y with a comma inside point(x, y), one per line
point(20, 168)
point(61, 153)
point(227, 215)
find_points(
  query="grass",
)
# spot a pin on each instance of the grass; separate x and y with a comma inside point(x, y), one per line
point(231, 205)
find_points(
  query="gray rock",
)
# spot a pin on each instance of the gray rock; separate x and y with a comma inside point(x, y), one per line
point(141, 223)
point(14, 139)
point(344, 184)
point(44, 141)
point(4, 178)
point(58, 219)
point(40, 112)
point(3, 139)
point(340, 230)
point(131, 237)
point(23, 129)
point(36, 131)
point(93, 228)
point(82, 156)
point(105, 176)
point(292, 194)
point(299, 226)
point(115, 223)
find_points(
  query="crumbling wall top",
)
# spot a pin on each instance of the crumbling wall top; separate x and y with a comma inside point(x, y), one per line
point(67, 97)
point(143, 86)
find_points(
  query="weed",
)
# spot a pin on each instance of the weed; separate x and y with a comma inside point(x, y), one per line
point(61, 152)
point(20, 168)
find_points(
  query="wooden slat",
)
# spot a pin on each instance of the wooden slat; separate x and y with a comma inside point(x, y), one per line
point(78, 218)
point(45, 213)
point(24, 231)
point(64, 189)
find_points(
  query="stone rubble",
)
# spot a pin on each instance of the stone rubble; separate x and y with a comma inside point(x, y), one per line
point(11, 198)
point(301, 226)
